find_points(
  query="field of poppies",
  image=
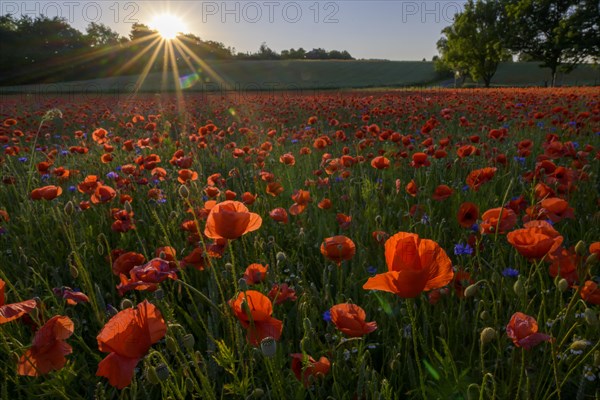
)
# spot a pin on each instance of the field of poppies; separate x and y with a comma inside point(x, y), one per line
point(348, 245)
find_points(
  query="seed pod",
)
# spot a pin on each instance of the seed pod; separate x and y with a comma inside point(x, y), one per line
point(162, 372)
point(258, 393)
point(484, 315)
point(268, 346)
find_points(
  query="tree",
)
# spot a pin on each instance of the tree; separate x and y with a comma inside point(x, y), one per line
point(560, 33)
point(473, 45)
point(101, 35)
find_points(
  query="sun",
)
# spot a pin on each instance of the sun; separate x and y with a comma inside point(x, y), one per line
point(167, 25)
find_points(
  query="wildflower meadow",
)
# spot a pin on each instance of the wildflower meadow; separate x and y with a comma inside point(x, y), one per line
point(418, 244)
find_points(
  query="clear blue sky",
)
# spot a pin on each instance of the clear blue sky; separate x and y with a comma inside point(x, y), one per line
point(392, 29)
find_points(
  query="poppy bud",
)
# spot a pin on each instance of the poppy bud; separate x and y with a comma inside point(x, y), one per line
point(188, 341)
point(243, 285)
point(487, 335)
point(592, 258)
point(268, 346)
point(69, 208)
point(484, 315)
point(162, 372)
point(519, 287)
point(307, 325)
point(258, 393)
point(184, 192)
point(152, 376)
point(73, 270)
point(580, 249)
point(281, 256)
point(590, 317)
point(100, 249)
point(172, 345)
point(579, 345)
point(378, 219)
point(471, 290)
point(127, 207)
point(173, 215)
point(126, 303)
point(442, 330)
point(562, 285)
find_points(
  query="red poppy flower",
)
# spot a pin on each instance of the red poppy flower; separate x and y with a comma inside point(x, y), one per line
point(414, 265)
point(281, 293)
point(103, 194)
point(350, 320)
point(380, 162)
point(248, 198)
point(343, 220)
point(590, 293)
point(48, 351)
point(253, 309)
point(480, 176)
point(99, 136)
point(49, 192)
point(306, 367)
point(71, 296)
point(556, 209)
point(535, 240)
point(411, 188)
point(325, 204)
point(10, 312)
point(338, 248)
point(564, 262)
point(127, 337)
point(420, 160)
point(147, 276)
point(279, 215)
point(255, 273)
point(274, 189)
point(500, 219)
point(442, 192)
point(523, 330)
point(287, 159)
point(186, 175)
point(126, 261)
point(380, 236)
point(468, 213)
point(230, 220)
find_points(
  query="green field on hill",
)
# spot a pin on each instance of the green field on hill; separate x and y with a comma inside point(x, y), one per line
point(307, 75)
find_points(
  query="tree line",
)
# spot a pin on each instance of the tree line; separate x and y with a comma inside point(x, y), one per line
point(560, 34)
point(44, 50)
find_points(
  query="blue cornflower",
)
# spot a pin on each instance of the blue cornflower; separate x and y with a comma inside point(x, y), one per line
point(520, 160)
point(510, 273)
point(112, 175)
point(45, 177)
point(64, 152)
point(294, 141)
point(23, 159)
point(462, 249)
point(72, 188)
point(372, 270)
point(327, 316)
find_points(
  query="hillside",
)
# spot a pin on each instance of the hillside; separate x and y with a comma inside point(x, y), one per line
point(305, 75)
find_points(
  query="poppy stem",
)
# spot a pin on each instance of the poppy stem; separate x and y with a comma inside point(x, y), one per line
point(202, 296)
point(521, 373)
point(410, 303)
